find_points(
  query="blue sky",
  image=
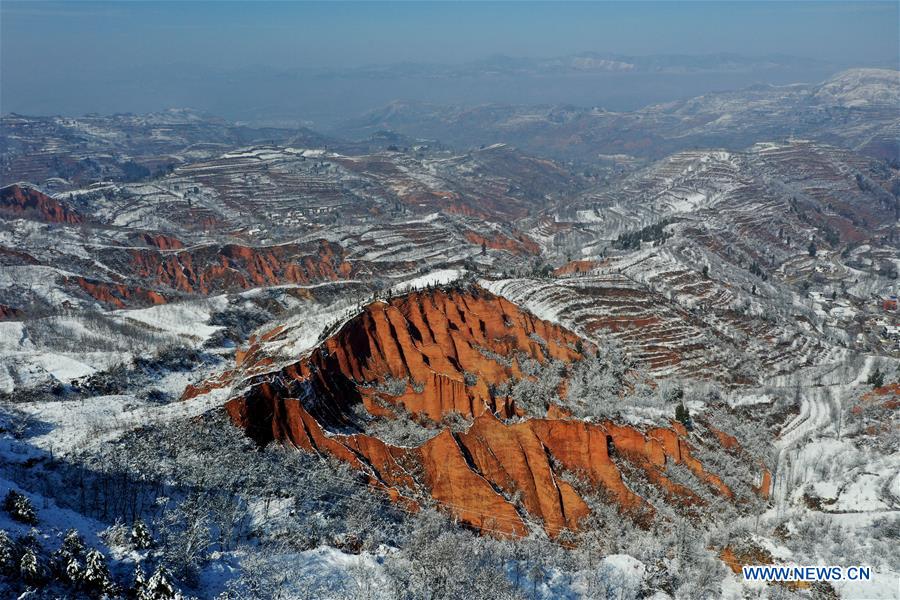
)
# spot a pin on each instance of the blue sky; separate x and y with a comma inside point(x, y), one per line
point(284, 34)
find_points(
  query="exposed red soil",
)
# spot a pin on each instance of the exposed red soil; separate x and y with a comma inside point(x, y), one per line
point(161, 241)
point(494, 476)
point(8, 313)
point(9, 256)
point(736, 560)
point(118, 295)
point(233, 267)
point(576, 266)
point(521, 244)
point(29, 203)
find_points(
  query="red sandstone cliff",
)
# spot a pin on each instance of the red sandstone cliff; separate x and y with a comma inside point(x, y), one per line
point(29, 203)
point(497, 474)
point(231, 267)
point(166, 269)
point(521, 244)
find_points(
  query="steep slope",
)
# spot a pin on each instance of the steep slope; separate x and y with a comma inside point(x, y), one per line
point(29, 203)
point(439, 353)
point(208, 269)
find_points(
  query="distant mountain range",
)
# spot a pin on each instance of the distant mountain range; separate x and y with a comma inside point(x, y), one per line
point(315, 96)
point(857, 108)
point(593, 62)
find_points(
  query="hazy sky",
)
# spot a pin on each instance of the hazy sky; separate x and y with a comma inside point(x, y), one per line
point(48, 49)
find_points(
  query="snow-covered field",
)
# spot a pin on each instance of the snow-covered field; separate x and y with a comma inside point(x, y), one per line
point(61, 349)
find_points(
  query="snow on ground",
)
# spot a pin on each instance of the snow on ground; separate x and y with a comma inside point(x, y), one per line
point(325, 567)
point(304, 328)
point(29, 369)
point(629, 569)
point(77, 423)
point(588, 216)
point(518, 291)
point(741, 398)
point(185, 319)
point(811, 441)
point(70, 347)
point(616, 576)
point(63, 368)
point(39, 281)
point(12, 336)
point(53, 520)
point(437, 277)
point(847, 478)
point(882, 586)
point(429, 218)
point(824, 471)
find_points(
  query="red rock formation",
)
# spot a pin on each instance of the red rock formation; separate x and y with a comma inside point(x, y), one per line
point(8, 313)
point(576, 266)
point(29, 203)
point(234, 267)
point(9, 256)
point(118, 295)
point(765, 485)
point(433, 341)
point(167, 269)
point(494, 476)
point(522, 244)
point(163, 242)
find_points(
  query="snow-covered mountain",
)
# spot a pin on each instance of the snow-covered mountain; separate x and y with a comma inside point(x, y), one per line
point(861, 88)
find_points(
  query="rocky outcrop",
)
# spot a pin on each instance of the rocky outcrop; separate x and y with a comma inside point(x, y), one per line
point(447, 349)
point(520, 244)
point(444, 346)
point(166, 269)
point(29, 203)
point(576, 266)
point(9, 313)
point(212, 269)
point(116, 294)
point(10, 256)
point(159, 240)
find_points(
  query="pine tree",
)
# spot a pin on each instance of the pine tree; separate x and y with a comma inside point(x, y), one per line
point(8, 553)
point(19, 508)
point(876, 379)
point(96, 573)
point(30, 569)
point(73, 571)
point(159, 587)
point(139, 582)
point(140, 535)
point(73, 544)
point(67, 561)
point(683, 415)
point(812, 249)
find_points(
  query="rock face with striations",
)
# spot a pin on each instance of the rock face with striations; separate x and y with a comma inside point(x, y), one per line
point(210, 269)
point(165, 269)
point(446, 350)
point(29, 203)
